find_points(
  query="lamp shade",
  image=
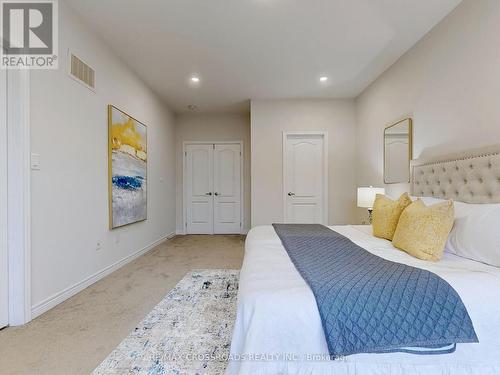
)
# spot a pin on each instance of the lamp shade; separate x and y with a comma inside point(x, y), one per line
point(366, 196)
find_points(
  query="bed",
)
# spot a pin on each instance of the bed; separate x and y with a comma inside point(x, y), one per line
point(278, 328)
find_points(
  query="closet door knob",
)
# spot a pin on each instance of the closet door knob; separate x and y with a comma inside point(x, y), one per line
point(291, 194)
point(208, 193)
point(216, 194)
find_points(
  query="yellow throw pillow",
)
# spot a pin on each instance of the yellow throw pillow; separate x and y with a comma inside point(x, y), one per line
point(423, 230)
point(386, 213)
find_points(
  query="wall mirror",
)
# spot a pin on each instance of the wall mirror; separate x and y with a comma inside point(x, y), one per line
point(398, 151)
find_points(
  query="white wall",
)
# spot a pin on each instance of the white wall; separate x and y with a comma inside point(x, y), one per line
point(449, 83)
point(213, 127)
point(70, 192)
point(269, 118)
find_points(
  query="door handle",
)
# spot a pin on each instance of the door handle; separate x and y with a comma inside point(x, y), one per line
point(291, 194)
point(216, 194)
point(208, 193)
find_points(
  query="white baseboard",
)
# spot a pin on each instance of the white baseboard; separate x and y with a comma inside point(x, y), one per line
point(69, 292)
point(180, 232)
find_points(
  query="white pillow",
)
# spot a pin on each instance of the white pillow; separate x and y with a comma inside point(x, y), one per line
point(476, 232)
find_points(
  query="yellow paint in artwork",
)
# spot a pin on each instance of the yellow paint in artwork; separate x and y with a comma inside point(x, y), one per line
point(125, 135)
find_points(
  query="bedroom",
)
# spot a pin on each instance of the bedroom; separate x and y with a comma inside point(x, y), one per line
point(217, 95)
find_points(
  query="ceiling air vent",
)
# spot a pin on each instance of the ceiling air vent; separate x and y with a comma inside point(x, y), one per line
point(81, 72)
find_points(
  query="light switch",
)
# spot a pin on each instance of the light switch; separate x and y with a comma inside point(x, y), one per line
point(35, 161)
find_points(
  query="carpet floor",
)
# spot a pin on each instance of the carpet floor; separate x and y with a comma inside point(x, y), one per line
point(77, 335)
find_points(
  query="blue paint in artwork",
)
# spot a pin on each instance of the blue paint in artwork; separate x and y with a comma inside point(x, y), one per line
point(128, 182)
point(129, 188)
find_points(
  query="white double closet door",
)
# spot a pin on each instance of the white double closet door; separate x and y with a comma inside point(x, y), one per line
point(213, 188)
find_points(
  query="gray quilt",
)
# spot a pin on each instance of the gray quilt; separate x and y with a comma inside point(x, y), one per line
point(371, 305)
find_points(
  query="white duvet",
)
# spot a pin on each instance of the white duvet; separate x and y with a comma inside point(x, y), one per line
point(278, 328)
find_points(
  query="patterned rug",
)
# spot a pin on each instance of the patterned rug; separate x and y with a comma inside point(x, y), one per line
point(189, 332)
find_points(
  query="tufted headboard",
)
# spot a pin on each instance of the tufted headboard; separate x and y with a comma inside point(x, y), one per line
point(471, 176)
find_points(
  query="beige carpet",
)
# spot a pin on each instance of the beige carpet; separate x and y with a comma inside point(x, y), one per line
point(77, 335)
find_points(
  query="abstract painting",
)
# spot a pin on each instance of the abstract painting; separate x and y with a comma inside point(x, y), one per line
point(128, 158)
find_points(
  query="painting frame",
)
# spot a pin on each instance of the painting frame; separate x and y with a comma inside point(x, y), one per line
point(113, 223)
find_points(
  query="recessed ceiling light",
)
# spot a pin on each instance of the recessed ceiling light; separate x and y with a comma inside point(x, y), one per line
point(323, 79)
point(195, 79)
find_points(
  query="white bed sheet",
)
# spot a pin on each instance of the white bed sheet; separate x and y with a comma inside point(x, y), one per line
point(278, 328)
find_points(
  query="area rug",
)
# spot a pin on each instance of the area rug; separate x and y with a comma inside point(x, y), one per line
point(189, 332)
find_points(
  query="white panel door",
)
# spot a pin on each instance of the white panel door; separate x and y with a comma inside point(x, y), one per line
point(304, 179)
point(4, 288)
point(199, 189)
point(227, 188)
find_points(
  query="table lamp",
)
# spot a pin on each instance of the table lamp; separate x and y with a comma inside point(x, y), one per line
point(366, 198)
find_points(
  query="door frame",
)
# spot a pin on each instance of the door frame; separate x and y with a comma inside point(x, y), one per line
point(184, 185)
point(4, 253)
point(19, 196)
point(324, 135)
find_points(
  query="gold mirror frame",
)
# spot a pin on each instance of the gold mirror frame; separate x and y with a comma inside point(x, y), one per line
point(410, 149)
